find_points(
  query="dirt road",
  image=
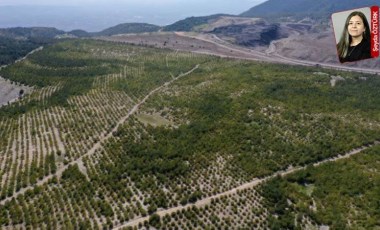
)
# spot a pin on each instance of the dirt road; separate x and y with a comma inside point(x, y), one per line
point(251, 184)
point(271, 55)
point(97, 145)
point(9, 92)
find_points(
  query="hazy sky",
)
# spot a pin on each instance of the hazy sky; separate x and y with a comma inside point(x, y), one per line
point(95, 15)
point(227, 4)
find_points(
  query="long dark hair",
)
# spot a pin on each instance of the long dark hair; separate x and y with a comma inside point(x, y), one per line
point(346, 39)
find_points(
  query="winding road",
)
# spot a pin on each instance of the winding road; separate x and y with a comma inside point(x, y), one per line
point(270, 55)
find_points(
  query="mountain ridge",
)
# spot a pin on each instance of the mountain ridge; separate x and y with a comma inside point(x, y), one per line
point(304, 8)
point(125, 28)
point(189, 23)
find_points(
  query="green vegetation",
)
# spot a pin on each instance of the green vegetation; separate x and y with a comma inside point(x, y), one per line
point(11, 50)
point(73, 66)
point(80, 33)
point(243, 210)
point(226, 123)
point(190, 23)
point(128, 28)
point(154, 120)
point(32, 32)
point(17, 42)
point(258, 115)
point(345, 194)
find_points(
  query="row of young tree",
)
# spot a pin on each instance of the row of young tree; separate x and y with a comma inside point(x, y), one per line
point(67, 117)
point(229, 110)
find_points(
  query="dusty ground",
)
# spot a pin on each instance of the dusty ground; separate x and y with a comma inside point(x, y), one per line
point(299, 49)
point(316, 47)
point(300, 43)
point(10, 92)
point(227, 21)
point(202, 43)
point(176, 42)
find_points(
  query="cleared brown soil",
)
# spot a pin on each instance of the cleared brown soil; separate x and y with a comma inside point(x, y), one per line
point(293, 50)
point(317, 47)
point(178, 41)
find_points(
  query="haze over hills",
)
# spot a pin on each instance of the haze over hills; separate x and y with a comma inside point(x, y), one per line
point(97, 15)
point(94, 18)
point(250, 32)
point(304, 8)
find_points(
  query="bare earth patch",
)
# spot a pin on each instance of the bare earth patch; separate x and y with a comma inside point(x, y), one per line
point(10, 92)
point(307, 49)
point(316, 47)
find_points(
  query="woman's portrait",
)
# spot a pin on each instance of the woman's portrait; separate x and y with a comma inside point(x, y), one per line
point(355, 39)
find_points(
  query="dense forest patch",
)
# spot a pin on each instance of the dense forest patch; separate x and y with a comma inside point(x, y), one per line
point(345, 194)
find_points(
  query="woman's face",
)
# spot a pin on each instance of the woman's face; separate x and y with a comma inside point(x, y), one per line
point(356, 26)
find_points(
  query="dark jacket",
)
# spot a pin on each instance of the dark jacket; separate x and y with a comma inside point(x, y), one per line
point(358, 52)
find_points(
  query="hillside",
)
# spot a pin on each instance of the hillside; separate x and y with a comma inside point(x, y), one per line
point(248, 33)
point(17, 42)
point(113, 133)
point(304, 8)
point(32, 32)
point(80, 33)
point(189, 24)
point(212, 129)
point(128, 28)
